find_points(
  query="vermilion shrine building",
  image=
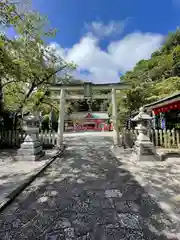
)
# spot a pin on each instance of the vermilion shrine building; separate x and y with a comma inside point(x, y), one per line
point(92, 121)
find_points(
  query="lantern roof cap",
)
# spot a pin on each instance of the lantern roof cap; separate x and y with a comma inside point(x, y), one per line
point(142, 115)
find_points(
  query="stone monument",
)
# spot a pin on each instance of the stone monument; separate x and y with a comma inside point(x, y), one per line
point(144, 150)
point(31, 148)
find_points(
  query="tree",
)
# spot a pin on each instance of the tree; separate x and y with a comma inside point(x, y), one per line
point(167, 87)
point(172, 41)
point(28, 65)
point(176, 61)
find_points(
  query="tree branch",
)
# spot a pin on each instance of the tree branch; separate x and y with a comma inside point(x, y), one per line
point(51, 75)
point(14, 10)
point(50, 104)
point(27, 96)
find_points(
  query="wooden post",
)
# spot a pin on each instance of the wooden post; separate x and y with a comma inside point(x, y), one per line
point(156, 138)
point(50, 137)
point(169, 138)
point(173, 138)
point(45, 137)
point(165, 138)
point(61, 118)
point(53, 137)
point(161, 137)
point(177, 138)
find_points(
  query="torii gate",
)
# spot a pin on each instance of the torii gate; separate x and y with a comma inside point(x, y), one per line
point(87, 87)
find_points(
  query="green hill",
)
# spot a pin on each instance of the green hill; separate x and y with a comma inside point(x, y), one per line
point(152, 79)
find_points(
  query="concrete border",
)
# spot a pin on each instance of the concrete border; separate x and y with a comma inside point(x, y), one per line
point(11, 197)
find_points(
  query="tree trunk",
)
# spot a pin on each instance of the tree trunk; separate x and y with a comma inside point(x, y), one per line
point(1, 99)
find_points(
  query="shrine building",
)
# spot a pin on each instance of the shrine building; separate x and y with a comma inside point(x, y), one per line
point(166, 112)
point(84, 121)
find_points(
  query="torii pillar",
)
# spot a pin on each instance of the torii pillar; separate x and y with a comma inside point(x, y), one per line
point(116, 136)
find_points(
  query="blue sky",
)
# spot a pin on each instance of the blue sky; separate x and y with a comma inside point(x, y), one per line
point(107, 38)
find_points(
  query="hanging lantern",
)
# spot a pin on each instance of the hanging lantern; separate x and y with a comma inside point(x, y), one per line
point(89, 102)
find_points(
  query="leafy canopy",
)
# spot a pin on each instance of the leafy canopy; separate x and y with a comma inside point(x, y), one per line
point(27, 65)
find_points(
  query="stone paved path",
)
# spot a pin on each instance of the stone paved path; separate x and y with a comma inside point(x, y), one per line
point(14, 173)
point(87, 195)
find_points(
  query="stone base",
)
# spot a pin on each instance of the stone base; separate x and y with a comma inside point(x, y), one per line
point(144, 148)
point(145, 151)
point(25, 156)
point(31, 149)
point(141, 158)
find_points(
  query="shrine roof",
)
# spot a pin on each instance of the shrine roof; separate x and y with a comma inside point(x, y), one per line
point(164, 101)
point(94, 115)
point(98, 115)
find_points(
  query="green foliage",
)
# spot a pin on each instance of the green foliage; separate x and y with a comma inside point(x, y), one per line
point(152, 79)
point(176, 61)
point(172, 41)
point(167, 87)
point(27, 65)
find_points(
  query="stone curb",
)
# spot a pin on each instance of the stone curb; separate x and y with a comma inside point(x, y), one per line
point(30, 179)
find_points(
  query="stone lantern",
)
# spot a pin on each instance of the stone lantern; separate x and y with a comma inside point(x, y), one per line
point(31, 148)
point(144, 148)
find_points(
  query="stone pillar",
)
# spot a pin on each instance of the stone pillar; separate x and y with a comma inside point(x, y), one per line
point(61, 118)
point(115, 119)
point(31, 148)
point(144, 148)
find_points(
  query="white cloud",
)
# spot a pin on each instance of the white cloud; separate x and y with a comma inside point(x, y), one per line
point(134, 47)
point(99, 29)
point(120, 56)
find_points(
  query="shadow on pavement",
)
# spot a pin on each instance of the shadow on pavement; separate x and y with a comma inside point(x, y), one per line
point(164, 179)
point(86, 195)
